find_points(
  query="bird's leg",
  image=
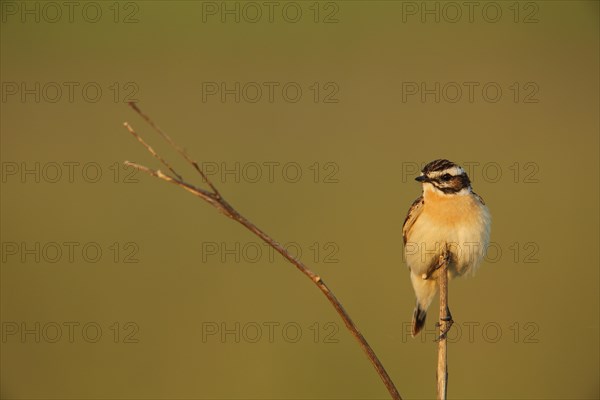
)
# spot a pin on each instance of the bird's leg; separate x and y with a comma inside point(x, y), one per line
point(432, 268)
point(446, 323)
point(444, 258)
point(448, 316)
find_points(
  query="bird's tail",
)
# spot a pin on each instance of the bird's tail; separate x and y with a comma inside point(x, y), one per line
point(418, 320)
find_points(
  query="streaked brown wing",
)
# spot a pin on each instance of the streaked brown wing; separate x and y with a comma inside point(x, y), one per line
point(478, 197)
point(413, 213)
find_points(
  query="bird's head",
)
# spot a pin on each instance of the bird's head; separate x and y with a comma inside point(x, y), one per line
point(444, 177)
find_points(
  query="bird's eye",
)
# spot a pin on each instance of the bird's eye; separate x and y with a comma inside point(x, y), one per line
point(446, 177)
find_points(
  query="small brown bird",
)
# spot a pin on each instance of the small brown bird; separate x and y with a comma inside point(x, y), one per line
point(448, 215)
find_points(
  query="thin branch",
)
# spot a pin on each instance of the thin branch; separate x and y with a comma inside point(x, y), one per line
point(204, 194)
point(445, 324)
point(179, 149)
point(214, 198)
point(151, 150)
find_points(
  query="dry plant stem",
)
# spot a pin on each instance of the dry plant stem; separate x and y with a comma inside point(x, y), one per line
point(214, 198)
point(445, 324)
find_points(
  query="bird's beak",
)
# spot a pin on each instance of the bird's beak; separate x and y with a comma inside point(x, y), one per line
point(421, 178)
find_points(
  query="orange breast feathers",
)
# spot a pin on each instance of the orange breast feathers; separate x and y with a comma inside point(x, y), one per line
point(451, 210)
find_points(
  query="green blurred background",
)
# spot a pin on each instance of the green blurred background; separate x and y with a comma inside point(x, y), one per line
point(184, 303)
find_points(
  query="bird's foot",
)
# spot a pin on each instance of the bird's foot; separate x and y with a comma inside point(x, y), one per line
point(445, 325)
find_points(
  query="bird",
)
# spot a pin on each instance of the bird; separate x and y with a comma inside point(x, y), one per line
point(449, 219)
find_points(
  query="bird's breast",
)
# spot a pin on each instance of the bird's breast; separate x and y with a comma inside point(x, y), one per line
point(460, 222)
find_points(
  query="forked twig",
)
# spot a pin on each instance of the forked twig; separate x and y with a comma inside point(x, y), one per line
point(179, 149)
point(151, 150)
point(214, 198)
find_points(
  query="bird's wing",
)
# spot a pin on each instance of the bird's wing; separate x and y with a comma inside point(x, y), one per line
point(478, 197)
point(413, 213)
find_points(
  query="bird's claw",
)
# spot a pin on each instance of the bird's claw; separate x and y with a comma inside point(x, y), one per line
point(448, 324)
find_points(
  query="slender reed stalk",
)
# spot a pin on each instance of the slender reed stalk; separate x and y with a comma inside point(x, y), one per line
point(214, 198)
point(445, 324)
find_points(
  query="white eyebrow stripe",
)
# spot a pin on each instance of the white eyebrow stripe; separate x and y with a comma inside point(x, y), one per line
point(454, 171)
